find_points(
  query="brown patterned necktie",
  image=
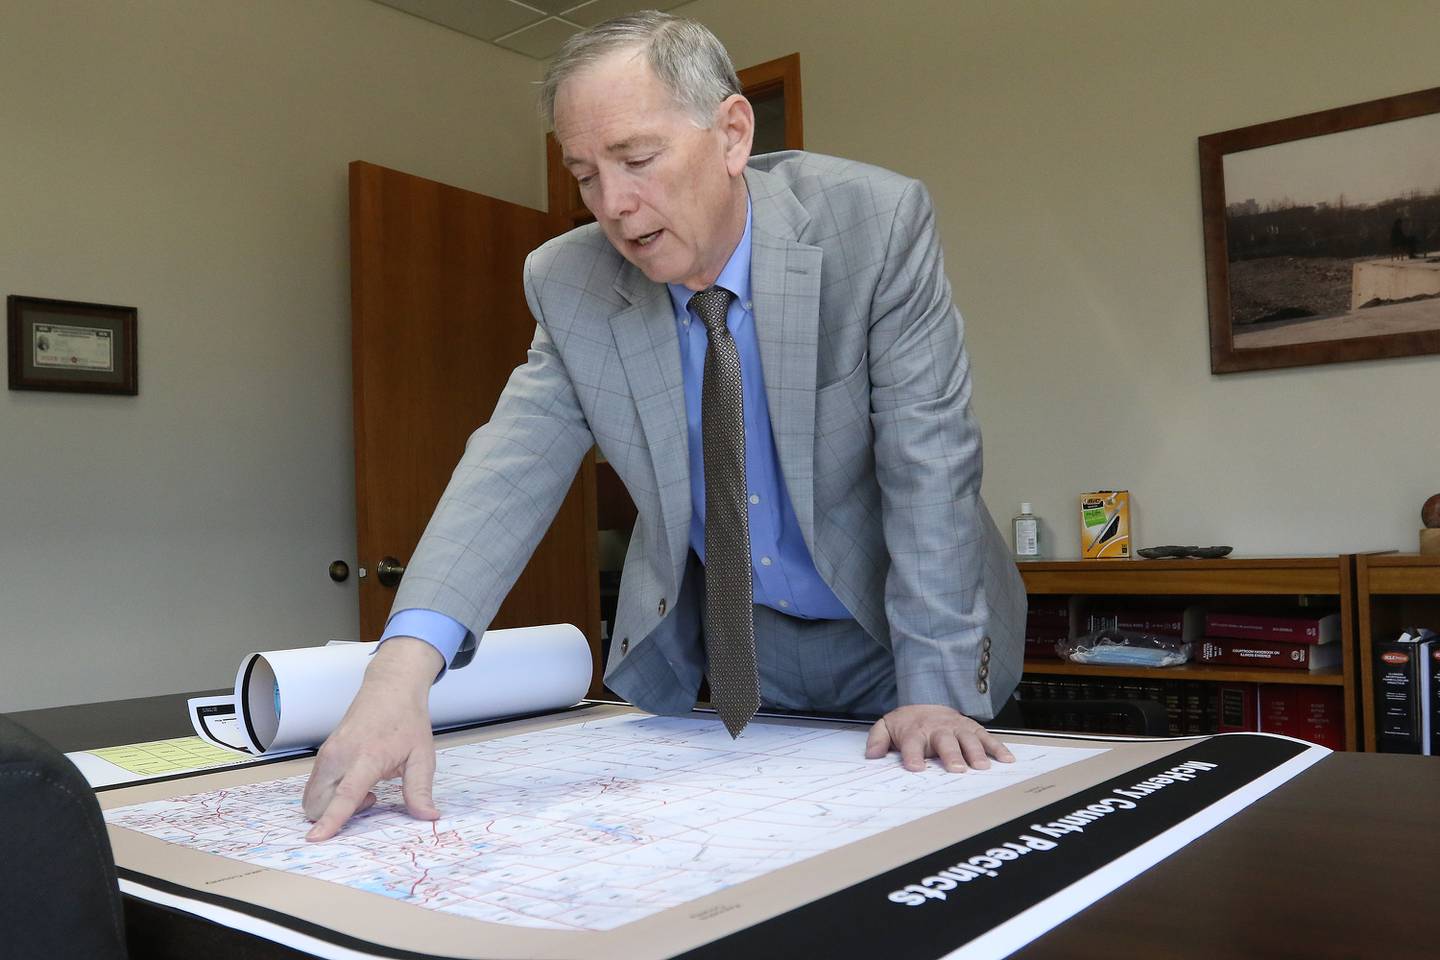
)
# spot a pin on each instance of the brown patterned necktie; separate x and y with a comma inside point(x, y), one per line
point(729, 596)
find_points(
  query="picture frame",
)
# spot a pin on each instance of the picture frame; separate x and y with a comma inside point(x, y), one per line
point(72, 347)
point(1322, 236)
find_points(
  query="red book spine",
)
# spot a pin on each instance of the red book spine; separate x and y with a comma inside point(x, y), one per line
point(1316, 714)
point(1241, 626)
point(1255, 653)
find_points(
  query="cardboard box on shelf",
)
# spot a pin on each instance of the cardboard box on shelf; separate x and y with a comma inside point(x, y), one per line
point(1105, 525)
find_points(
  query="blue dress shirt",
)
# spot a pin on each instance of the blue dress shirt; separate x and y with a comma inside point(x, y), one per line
point(784, 574)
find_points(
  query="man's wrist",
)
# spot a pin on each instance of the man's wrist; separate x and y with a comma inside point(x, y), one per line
point(407, 662)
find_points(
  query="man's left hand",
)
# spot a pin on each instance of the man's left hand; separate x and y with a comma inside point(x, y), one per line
point(930, 730)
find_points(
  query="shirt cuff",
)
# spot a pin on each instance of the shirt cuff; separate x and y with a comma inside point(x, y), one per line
point(450, 637)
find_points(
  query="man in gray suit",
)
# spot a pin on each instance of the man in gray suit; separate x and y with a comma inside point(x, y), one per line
point(881, 586)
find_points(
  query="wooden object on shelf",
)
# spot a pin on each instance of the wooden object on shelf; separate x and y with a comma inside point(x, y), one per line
point(1393, 590)
point(1430, 541)
point(1331, 579)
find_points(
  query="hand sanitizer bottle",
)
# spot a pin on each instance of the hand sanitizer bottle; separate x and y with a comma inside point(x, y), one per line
point(1027, 534)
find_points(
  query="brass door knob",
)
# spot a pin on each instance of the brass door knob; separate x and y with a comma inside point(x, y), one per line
point(339, 571)
point(389, 571)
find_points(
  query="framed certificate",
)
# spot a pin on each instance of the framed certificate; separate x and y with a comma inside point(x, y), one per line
point(70, 346)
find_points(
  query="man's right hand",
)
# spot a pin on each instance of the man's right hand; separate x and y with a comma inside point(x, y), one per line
point(384, 734)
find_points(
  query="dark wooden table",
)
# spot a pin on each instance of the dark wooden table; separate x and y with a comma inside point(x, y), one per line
point(1338, 863)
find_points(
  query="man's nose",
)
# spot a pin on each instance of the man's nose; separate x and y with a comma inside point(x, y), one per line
point(617, 199)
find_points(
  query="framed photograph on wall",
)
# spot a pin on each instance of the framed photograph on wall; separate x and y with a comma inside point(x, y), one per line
point(1322, 236)
point(70, 346)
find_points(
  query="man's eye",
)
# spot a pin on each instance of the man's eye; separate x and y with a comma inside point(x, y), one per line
point(639, 162)
point(586, 180)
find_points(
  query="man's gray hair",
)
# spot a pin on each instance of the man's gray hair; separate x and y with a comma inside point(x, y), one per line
point(684, 55)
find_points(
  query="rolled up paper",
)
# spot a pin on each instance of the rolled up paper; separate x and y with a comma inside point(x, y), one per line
point(291, 699)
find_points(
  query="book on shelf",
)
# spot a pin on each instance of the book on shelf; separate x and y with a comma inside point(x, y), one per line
point(1164, 623)
point(1188, 707)
point(1195, 710)
point(1430, 702)
point(1049, 608)
point(1174, 701)
point(1288, 629)
point(1316, 714)
point(1219, 651)
point(1047, 617)
point(1401, 689)
point(1237, 707)
point(1313, 713)
point(1089, 720)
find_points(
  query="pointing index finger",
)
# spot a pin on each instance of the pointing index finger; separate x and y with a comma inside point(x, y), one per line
point(351, 796)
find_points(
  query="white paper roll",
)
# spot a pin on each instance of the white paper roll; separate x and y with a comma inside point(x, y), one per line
point(289, 699)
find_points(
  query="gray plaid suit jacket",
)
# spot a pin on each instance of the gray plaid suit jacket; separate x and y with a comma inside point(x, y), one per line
point(868, 383)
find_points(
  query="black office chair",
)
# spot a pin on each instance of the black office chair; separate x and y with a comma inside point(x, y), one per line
point(58, 893)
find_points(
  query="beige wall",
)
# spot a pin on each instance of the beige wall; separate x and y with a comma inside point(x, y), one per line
point(189, 159)
point(1058, 139)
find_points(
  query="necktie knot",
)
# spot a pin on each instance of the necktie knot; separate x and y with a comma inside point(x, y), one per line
point(711, 305)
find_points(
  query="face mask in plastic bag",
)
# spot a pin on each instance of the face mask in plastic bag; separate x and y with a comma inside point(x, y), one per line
point(1119, 655)
point(1125, 648)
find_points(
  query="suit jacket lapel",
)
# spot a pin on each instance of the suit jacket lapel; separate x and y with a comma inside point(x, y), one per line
point(646, 338)
point(785, 291)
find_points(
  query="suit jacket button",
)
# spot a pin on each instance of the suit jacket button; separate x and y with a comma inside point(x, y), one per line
point(983, 686)
point(624, 646)
point(662, 606)
point(985, 657)
point(984, 671)
point(986, 644)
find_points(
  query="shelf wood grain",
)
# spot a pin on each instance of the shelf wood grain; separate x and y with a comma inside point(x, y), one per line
point(1246, 576)
point(1395, 590)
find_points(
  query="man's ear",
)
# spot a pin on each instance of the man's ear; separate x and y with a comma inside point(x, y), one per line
point(736, 121)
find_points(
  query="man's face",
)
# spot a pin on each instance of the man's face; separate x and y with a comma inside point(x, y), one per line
point(669, 195)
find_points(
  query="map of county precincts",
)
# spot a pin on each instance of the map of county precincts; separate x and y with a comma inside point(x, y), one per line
point(591, 825)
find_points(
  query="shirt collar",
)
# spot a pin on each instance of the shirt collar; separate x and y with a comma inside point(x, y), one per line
point(735, 277)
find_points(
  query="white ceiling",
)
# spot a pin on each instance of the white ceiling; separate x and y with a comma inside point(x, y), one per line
point(535, 28)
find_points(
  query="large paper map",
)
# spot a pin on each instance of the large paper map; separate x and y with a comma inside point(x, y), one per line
point(592, 825)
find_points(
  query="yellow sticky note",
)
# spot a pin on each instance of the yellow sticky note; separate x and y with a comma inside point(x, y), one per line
point(168, 756)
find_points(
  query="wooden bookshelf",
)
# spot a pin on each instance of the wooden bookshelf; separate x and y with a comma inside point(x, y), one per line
point(1324, 582)
point(1393, 590)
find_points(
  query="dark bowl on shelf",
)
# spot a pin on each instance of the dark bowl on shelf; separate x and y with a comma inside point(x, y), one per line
point(1186, 553)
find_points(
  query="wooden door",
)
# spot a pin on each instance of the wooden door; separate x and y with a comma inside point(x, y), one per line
point(438, 323)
